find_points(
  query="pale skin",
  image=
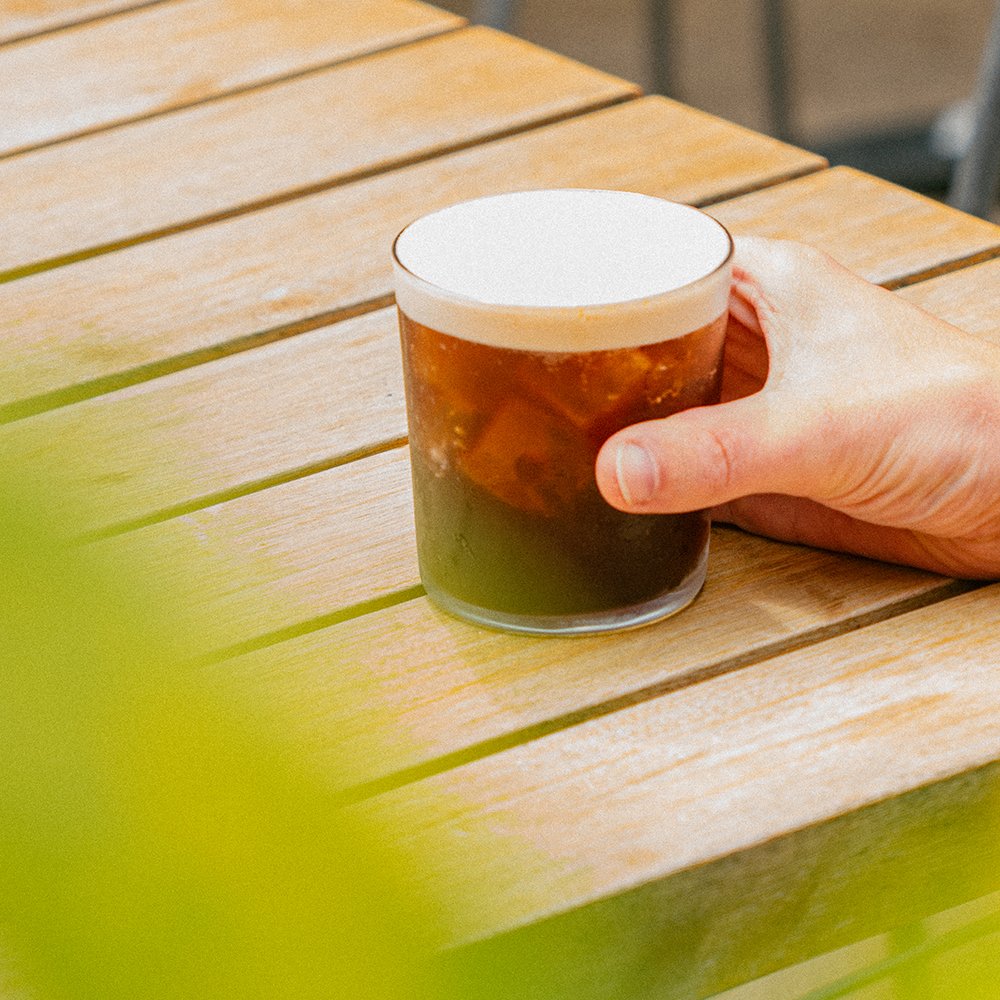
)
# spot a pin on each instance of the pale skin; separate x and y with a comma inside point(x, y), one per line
point(851, 420)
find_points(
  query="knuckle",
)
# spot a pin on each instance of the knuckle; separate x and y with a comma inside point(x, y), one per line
point(783, 262)
point(720, 470)
point(794, 258)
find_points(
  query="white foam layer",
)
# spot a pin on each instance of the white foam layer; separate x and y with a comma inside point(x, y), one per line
point(564, 270)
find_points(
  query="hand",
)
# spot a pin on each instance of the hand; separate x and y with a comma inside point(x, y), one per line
point(850, 420)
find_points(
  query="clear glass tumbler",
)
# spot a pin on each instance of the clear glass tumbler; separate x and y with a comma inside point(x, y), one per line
point(534, 325)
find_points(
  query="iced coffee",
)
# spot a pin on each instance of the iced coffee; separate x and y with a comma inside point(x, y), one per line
point(534, 325)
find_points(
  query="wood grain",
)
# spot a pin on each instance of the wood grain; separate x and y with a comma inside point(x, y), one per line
point(640, 807)
point(462, 691)
point(328, 396)
point(186, 298)
point(293, 554)
point(301, 135)
point(286, 408)
point(22, 18)
point(861, 875)
point(282, 410)
point(503, 686)
point(171, 55)
point(969, 298)
point(628, 800)
point(901, 238)
point(319, 546)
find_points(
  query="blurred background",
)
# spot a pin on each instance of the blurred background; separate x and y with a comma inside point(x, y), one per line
point(876, 84)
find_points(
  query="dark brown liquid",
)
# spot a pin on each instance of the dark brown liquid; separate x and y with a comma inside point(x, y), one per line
point(503, 444)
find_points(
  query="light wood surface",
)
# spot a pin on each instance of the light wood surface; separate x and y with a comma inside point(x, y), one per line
point(286, 559)
point(323, 396)
point(507, 687)
point(190, 297)
point(298, 513)
point(455, 689)
point(22, 18)
point(779, 769)
point(902, 237)
point(311, 570)
point(717, 768)
point(969, 298)
point(282, 410)
point(175, 54)
point(357, 118)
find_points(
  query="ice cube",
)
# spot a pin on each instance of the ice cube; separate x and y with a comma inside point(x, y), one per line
point(530, 459)
point(586, 388)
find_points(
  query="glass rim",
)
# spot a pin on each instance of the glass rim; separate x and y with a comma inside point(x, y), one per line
point(459, 298)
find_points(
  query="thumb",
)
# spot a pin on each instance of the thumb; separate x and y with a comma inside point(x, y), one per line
point(700, 458)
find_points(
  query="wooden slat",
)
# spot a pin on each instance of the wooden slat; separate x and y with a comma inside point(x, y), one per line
point(195, 436)
point(621, 804)
point(344, 537)
point(304, 134)
point(464, 690)
point(969, 298)
point(901, 237)
point(285, 409)
point(192, 296)
point(22, 18)
point(170, 55)
point(292, 554)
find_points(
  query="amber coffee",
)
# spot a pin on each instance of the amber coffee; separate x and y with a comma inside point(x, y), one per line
point(534, 325)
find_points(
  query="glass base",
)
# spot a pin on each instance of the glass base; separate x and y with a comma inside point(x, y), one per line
point(612, 620)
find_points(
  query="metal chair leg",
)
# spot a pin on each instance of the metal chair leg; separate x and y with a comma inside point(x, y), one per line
point(776, 47)
point(500, 14)
point(975, 180)
point(496, 13)
point(661, 38)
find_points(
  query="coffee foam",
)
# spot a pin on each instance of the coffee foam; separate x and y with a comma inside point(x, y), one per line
point(564, 270)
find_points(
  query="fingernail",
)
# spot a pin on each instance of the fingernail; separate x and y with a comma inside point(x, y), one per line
point(636, 472)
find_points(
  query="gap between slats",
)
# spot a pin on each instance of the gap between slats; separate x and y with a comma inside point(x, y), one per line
point(300, 472)
point(894, 284)
point(946, 267)
point(243, 490)
point(212, 98)
point(13, 412)
point(105, 15)
point(348, 613)
point(90, 389)
point(518, 737)
point(292, 194)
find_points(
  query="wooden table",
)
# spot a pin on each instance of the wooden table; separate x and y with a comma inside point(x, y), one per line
point(199, 197)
